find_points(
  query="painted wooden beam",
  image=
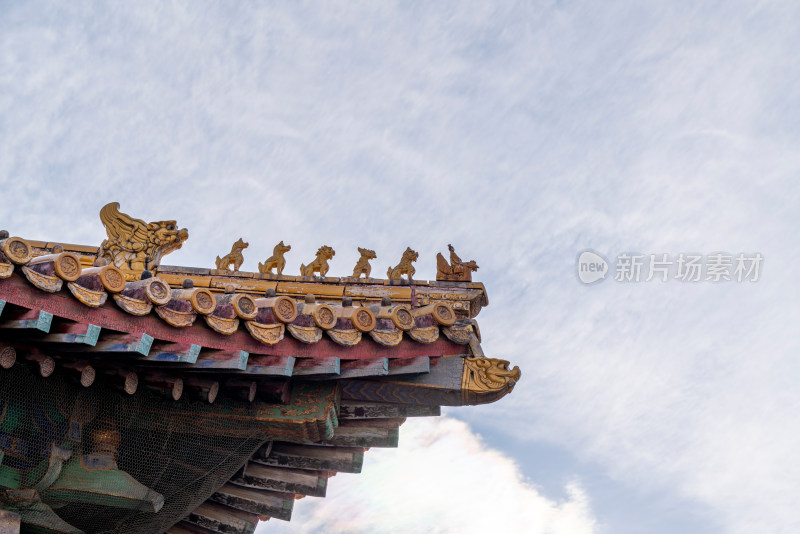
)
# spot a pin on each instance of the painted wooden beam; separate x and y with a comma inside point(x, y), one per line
point(80, 371)
point(168, 386)
point(122, 379)
point(263, 451)
point(219, 518)
point(367, 433)
point(256, 501)
point(315, 457)
point(199, 389)
point(122, 344)
point(163, 351)
point(305, 482)
point(316, 366)
point(8, 357)
point(70, 332)
point(207, 360)
point(45, 365)
point(359, 368)
point(24, 319)
point(259, 364)
point(243, 390)
point(221, 359)
point(442, 386)
point(382, 410)
point(274, 391)
point(407, 366)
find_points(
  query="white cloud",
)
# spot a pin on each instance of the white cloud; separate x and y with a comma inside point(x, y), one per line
point(442, 480)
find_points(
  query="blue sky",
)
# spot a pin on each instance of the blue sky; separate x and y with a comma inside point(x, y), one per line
point(523, 133)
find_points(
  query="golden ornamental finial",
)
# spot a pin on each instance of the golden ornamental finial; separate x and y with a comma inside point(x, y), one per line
point(485, 380)
point(276, 261)
point(234, 257)
point(320, 263)
point(404, 267)
point(135, 246)
point(455, 271)
point(362, 265)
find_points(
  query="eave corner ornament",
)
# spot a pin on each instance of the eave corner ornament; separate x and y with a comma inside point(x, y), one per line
point(133, 245)
point(455, 271)
point(487, 379)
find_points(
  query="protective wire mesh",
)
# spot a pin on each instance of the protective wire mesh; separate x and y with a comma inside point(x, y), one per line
point(127, 452)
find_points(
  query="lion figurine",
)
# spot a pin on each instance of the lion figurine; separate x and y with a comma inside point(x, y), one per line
point(404, 267)
point(234, 258)
point(276, 261)
point(320, 263)
point(362, 265)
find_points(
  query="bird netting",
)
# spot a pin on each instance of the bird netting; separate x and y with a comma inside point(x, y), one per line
point(102, 461)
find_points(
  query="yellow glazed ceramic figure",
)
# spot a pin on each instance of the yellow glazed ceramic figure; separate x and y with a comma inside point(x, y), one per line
point(234, 258)
point(362, 265)
point(320, 263)
point(276, 261)
point(404, 267)
point(134, 245)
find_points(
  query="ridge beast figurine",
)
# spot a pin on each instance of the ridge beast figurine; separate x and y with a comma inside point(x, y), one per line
point(404, 267)
point(362, 265)
point(234, 258)
point(320, 263)
point(276, 261)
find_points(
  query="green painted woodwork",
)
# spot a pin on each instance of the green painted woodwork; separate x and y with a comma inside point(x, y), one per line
point(44, 474)
point(11, 416)
point(310, 416)
point(47, 427)
point(39, 518)
point(95, 479)
point(10, 478)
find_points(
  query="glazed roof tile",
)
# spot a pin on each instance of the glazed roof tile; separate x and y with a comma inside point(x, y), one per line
point(291, 318)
